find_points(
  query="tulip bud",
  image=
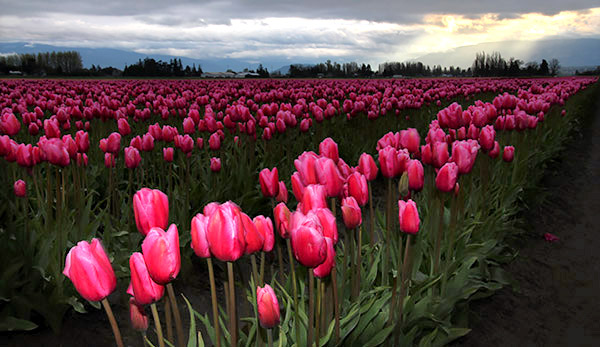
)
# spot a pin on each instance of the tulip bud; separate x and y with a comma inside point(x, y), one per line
point(408, 216)
point(215, 164)
point(20, 188)
point(403, 184)
point(138, 316)
point(351, 213)
point(267, 306)
point(508, 154)
point(495, 152)
point(161, 254)
point(143, 288)
point(88, 267)
point(416, 176)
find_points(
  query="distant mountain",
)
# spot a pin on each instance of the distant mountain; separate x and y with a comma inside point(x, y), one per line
point(119, 58)
point(569, 52)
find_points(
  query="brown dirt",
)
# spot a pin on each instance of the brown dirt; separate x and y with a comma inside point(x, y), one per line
point(556, 300)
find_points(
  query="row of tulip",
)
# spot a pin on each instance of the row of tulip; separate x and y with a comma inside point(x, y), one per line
point(398, 153)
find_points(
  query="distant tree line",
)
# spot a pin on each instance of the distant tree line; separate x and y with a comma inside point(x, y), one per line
point(329, 69)
point(418, 69)
point(47, 63)
point(152, 68)
point(594, 72)
point(487, 65)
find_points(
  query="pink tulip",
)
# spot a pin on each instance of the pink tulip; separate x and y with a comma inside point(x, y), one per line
point(20, 188)
point(282, 195)
point(487, 137)
point(328, 148)
point(358, 188)
point(281, 213)
point(88, 267)
point(313, 197)
point(254, 239)
point(408, 216)
point(446, 177)
point(329, 176)
point(508, 154)
point(123, 127)
point(410, 139)
point(309, 245)
point(324, 269)
point(351, 213)
point(265, 227)
point(143, 288)
point(132, 157)
point(268, 307)
point(215, 164)
point(439, 153)
point(151, 209)
point(161, 254)
point(199, 241)
point(138, 316)
point(367, 166)
point(225, 232)
point(168, 154)
point(269, 182)
point(416, 175)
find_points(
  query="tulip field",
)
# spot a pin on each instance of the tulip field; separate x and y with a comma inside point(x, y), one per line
point(318, 212)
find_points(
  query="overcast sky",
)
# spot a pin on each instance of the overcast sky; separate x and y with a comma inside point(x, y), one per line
point(365, 31)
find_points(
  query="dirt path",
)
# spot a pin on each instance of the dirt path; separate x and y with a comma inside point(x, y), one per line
point(557, 303)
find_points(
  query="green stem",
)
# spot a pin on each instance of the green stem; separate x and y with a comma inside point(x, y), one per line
point(169, 321)
point(159, 333)
point(261, 276)
point(318, 316)
point(270, 337)
point(336, 305)
point(372, 223)
point(358, 262)
point(177, 315)
point(213, 297)
point(438, 241)
point(295, 290)
point(113, 322)
point(255, 270)
point(311, 307)
point(232, 314)
point(406, 276)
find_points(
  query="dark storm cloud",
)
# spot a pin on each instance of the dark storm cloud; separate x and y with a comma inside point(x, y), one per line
point(177, 12)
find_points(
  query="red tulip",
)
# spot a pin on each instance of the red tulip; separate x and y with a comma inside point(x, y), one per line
point(487, 137)
point(388, 161)
point(416, 175)
point(281, 213)
point(225, 232)
point(9, 124)
point(147, 143)
point(408, 215)
point(214, 142)
point(439, 153)
point(328, 148)
point(88, 267)
point(305, 164)
point(168, 153)
point(269, 182)
point(367, 166)
point(113, 144)
point(215, 164)
point(161, 254)
point(55, 152)
point(132, 157)
point(297, 186)
point(508, 154)
point(151, 209)
point(199, 240)
point(324, 269)
point(446, 177)
point(410, 139)
point(309, 245)
point(328, 223)
point(265, 227)
point(143, 288)
point(254, 239)
point(268, 307)
point(282, 195)
point(464, 154)
point(313, 197)
point(329, 176)
point(351, 213)
point(138, 316)
point(20, 188)
point(358, 188)
point(123, 127)
point(82, 140)
point(495, 152)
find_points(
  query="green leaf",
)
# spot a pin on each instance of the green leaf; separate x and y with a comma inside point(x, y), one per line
point(192, 342)
point(15, 324)
point(380, 337)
